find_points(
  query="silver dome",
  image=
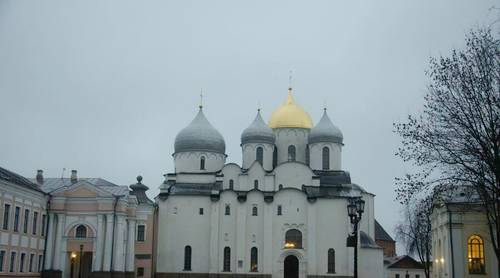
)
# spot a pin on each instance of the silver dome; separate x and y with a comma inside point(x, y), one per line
point(325, 131)
point(199, 135)
point(258, 132)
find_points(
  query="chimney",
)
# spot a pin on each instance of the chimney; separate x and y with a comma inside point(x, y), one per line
point(39, 177)
point(74, 178)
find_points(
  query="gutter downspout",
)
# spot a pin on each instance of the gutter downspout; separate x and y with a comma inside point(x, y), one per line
point(47, 209)
point(111, 265)
point(451, 242)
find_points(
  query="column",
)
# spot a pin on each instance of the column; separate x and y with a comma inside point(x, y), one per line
point(241, 241)
point(214, 237)
point(312, 266)
point(99, 248)
point(265, 263)
point(58, 240)
point(119, 256)
point(130, 266)
point(49, 253)
point(106, 266)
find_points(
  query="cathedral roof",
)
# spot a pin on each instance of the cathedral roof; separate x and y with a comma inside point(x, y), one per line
point(325, 131)
point(290, 115)
point(200, 135)
point(258, 132)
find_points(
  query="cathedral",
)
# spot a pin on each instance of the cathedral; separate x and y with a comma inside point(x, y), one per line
point(282, 213)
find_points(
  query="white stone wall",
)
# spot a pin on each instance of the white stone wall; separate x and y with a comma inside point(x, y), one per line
point(291, 136)
point(190, 162)
point(250, 155)
point(316, 156)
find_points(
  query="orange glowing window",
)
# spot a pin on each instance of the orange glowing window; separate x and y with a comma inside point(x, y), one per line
point(475, 255)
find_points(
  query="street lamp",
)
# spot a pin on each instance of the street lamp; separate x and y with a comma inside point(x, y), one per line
point(80, 264)
point(73, 257)
point(355, 209)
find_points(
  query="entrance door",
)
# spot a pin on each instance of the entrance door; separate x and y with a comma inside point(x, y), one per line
point(291, 267)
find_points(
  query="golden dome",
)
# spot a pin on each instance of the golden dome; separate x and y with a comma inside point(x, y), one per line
point(290, 115)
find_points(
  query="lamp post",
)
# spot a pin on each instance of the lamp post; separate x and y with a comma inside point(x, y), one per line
point(73, 257)
point(355, 209)
point(80, 263)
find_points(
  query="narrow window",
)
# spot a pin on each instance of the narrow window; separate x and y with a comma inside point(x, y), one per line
point(81, 231)
point(35, 220)
point(254, 210)
point(280, 187)
point(308, 155)
point(275, 157)
point(26, 220)
point(407, 275)
point(279, 210)
point(291, 153)
point(40, 262)
point(260, 155)
point(44, 220)
point(255, 184)
point(32, 257)
point(231, 184)
point(475, 254)
point(253, 259)
point(2, 258)
point(187, 257)
point(227, 210)
point(21, 264)
point(326, 158)
point(6, 213)
point(140, 272)
point(202, 163)
point(17, 213)
point(293, 239)
point(227, 259)
point(141, 232)
point(417, 275)
point(200, 211)
point(397, 275)
point(331, 260)
point(12, 261)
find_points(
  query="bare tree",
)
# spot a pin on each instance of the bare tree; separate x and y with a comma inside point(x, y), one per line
point(455, 141)
point(416, 231)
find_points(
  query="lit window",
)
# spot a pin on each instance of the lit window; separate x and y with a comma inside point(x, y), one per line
point(293, 239)
point(81, 232)
point(253, 259)
point(141, 232)
point(475, 254)
point(227, 259)
point(291, 153)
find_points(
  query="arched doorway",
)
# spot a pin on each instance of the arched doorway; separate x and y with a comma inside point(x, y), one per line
point(291, 267)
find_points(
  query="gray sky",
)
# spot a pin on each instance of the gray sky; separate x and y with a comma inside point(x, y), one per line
point(104, 86)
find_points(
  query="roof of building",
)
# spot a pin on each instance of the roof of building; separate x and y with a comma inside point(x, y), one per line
point(366, 241)
point(15, 178)
point(403, 261)
point(325, 131)
point(51, 184)
point(258, 132)
point(199, 135)
point(380, 233)
point(139, 191)
point(290, 115)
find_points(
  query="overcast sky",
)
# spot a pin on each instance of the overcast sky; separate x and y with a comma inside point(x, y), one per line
point(104, 86)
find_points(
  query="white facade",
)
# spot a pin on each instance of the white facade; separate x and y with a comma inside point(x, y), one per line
point(202, 213)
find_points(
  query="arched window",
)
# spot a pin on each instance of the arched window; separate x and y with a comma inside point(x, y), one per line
point(291, 153)
point(279, 212)
point(275, 157)
point(293, 239)
point(326, 158)
point(331, 260)
point(231, 184)
point(260, 155)
point(254, 211)
point(280, 187)
point(202, 163)
point(308, 156)
point(475, 254)
point(81, 231)
point(227, 259)
point(253, 259)
point(256, 184)
point(227, 210)
point(187, 257)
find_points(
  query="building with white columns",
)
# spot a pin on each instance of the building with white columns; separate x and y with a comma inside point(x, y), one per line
point(281, 214)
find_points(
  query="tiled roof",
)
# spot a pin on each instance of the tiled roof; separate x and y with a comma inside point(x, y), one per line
point(12, 177)
point(51, 184)
point(380, 233)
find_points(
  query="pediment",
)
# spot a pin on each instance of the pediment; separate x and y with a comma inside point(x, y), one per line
point(82, 189)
